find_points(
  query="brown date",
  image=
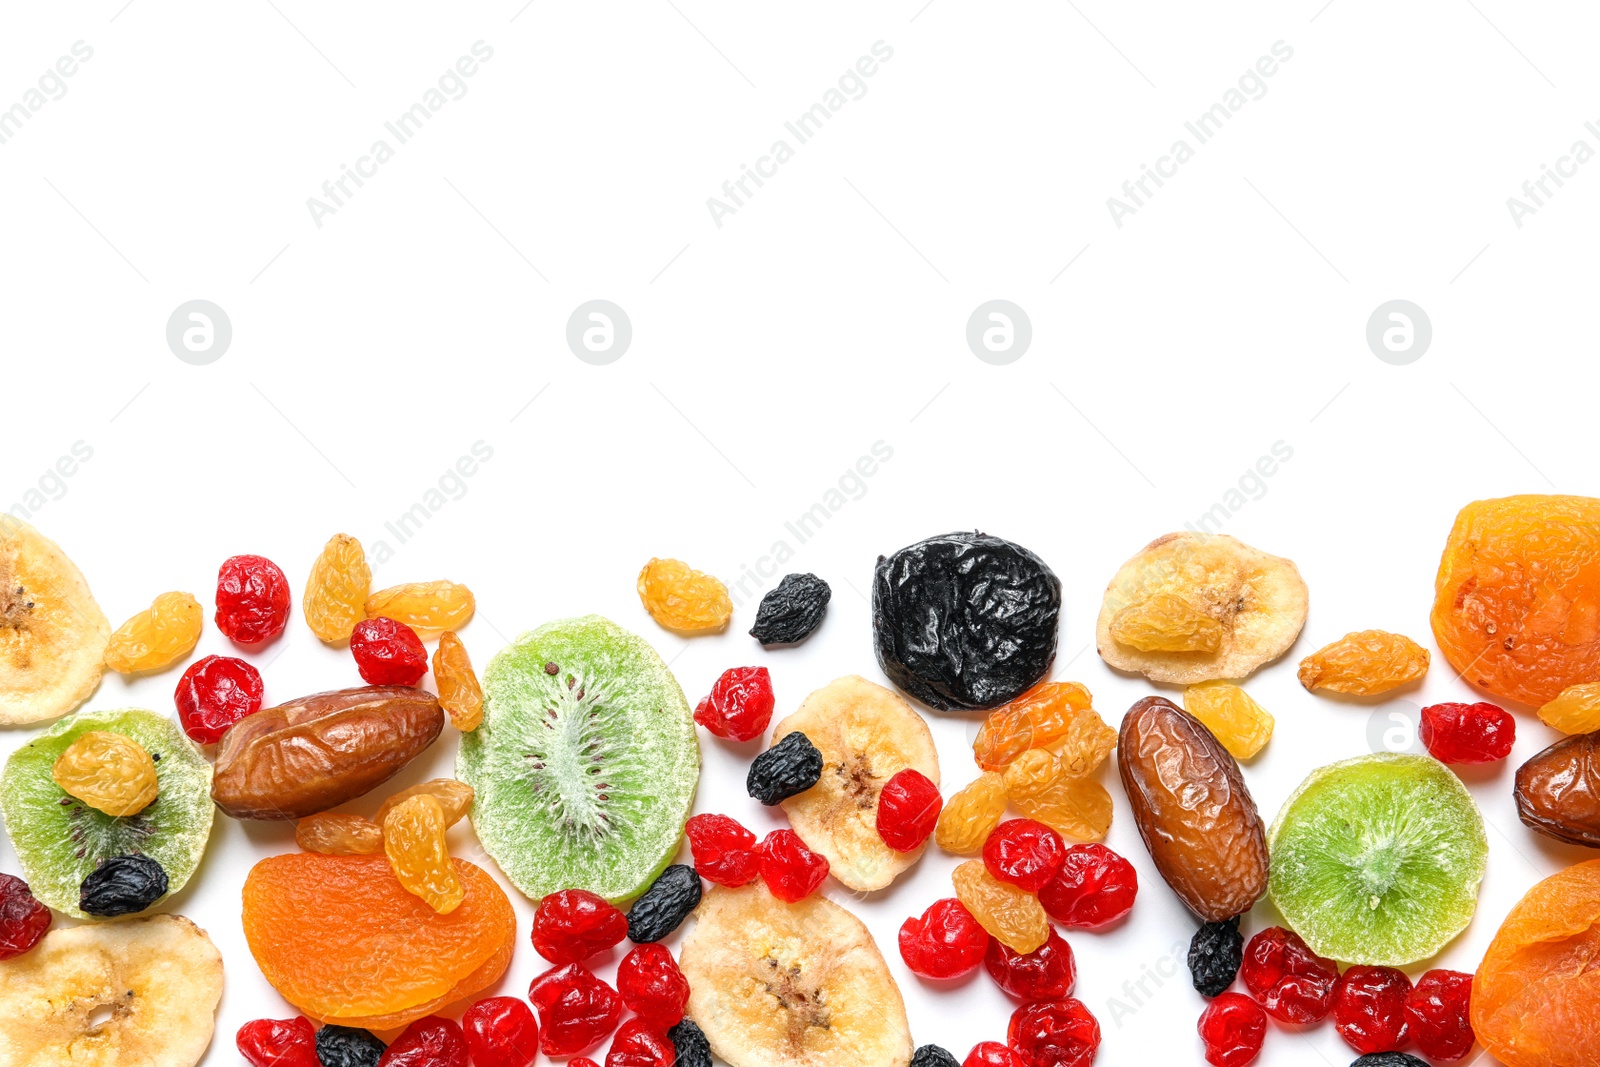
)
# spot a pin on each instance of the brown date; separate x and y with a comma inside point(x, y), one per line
point(1558, 791)
point(1193, 810)
point(319, 751)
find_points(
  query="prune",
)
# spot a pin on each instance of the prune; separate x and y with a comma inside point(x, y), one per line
point(1215, 953)
point(965, 621)
point(792, 611)
point(122, 885)
point(1558, 791)
point(347, 1046)
point(1388, 1059)
point(787, 769)
point(664, 906)
point(693, 1048)
point(933, 1056)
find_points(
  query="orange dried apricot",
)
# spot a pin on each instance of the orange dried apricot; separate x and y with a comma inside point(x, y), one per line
point(1365, 663)
point(1039, 717)
point(460, 695)
point(339, 835)
point(683, 599)
point(413, 839)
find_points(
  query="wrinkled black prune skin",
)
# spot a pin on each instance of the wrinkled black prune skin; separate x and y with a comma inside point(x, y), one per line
point(792, 611)
point(690, 1042)
point(122, 885)
point(664, 906)
point(787, 769)
point(1215, 955)
point(1388, 1059)
point(933, 1056)
point(965, 621)
point(347, 1046)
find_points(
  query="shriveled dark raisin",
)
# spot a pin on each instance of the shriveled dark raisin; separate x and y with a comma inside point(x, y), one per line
point(1215, 955)
point(690, 1042)
point(347, 1046)
point(1388, 1059)
point(788, 768)
point(664, 906)
point(122, 885)
point(933, 1056)
point(792, 611)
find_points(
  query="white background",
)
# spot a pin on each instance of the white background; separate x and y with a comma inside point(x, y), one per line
point(769, 354)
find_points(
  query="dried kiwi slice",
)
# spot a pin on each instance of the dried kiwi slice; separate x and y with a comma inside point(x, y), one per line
point(586, 763)
point(59, 843)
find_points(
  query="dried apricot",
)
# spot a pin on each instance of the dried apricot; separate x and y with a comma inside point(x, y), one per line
point(158, 636)
point(429, 608)
point(336, 592)
point(109, 772)
point(1576, 710)
point(460, 695)
point(1166, 623)
point(1011, 915)
point(683, 599)
point(413, 839)
point(1242, 725)
point(1039, 717)
point(454, 796)
point(1365, 663)
point(971, 815)
point(339, 835)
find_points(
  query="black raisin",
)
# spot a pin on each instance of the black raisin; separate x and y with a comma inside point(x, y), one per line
point(1215, 954)
point(792, 611)
point(933, 1056)
point(664, 906)
point(1388, 1059)
point(122, 885)
point(788, 768)
point(346, 1046)
point(965, 621)
point(690, 1042)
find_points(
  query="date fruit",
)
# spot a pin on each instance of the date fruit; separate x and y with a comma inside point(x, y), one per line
point(1558, 791)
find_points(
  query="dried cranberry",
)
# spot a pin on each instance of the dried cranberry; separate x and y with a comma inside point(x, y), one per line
point(945, 942)
point(1437, 1014)
point(1094, 887)
point(576, 1009)
point(790, 869)
point(724, 851)
point(501, 1032)
point(278, 1042)
point(582, 1061)
point(1025, 853)
point(908, 810)
point(992, 1054)
point(388, 652)
point(574, 924)
point(739, 705)
point(1293, 983)
point(213, 694)
point(23, 920)
point(652, 986)
point(1467, 733)
point(638, 1044)
point(429, 1042)
point(1233, 1027)
point(1046, 973)
point(252, 599)
point(1369, 1008)
point(1054, 1033)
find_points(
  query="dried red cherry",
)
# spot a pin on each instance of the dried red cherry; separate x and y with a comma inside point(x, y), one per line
point(908, 810)
point(576, 1009)
point(1369, 1008)
point(638, 1044)
point(213, 694)
point(501, 1032)
point(388, 652)
point(1467, 733)
point(945, 942)
point(652, 986)
point(23, 919)
point(1094, 887)
point(992, 1054)
point(1046, 973)
point(790, 869)
point(1025, 853)
point(739, 705)
point(428, 1042)
point(1438, 1018)
point(582, 1061)
point(278, 1042)
point(1233, 1028)
point(571, 925)
point(724, 851)
point(1054, 1033)
point(1285, 977)
point(252, 599)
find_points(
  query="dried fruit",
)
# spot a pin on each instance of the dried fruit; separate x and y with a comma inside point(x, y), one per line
point(158, 636)
point(571, 925)
point(652, 986)
point(1215, 953)
point(1369, 1008)
point(971, 815)
point(1233, 1028)
point(1517, 599)
point(791, 766)
point(1242, 725)
point(1558, 790)
point(1285, 977)
point(1043, 788)
point(1166, 623)
point(252, 599)
point(413, 839)
point(426, 608)
point(122, 885)
point(23, 920)
point(1047, 973)
point(683, 599)
point(933, 1056)
point(724, 851)
point(1193, 810)
point(1387, 1059)
point(336, 592)
point(638, 1044)
point(1258, 602)
point(965, 621)
point(53, 635)
point(908, 810)
point(1438, 1014)
point(1467, 733)
point(1008, 913)
point(1365, 663)
point(1025, 853)
point(739, 705)
point(992, 1054)
point(791, 870)
point(388, 652)
point(213, 694)
point(663, 907)
point(576, 1009)
point(459, 692)
point(944, 942)
point(1576, 710)
point(339, 835)
point(278, 1042)
point(1054, 1033)
point(690, 1042)
point(428, 1042)
point(349, 1046)
point(108, 771)
point(791, 611)
point(501, 1032)
point(455, 797)
point(1093, 888)
point(1041, 717)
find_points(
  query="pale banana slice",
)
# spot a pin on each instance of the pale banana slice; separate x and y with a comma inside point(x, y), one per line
point(791, 985)
point(866, 735)
point(160, 978)
point(1259, 600)
point(52, 633)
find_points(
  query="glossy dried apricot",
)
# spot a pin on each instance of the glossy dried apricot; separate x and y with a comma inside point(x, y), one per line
point(683, 599)
point(110, 772)
point(1166, 623)
point(1039, 717)
point(971, 815)
point(1576, 710)
point(336, 592)
point(339, 835)
point(460, 695)
point(1365, 663)
point(413, 839)
point(454, 796)
point(1012, 916)
point(1243, 726)
point(158, 636)
point(429, 608)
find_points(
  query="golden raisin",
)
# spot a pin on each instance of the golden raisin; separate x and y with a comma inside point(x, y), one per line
point(1039, 717)
point(413, 839)
point(1085, 745)
point(158, 636)
point(683, 599)
point(336, 592)
point(455, 797)
point(1166, 623)
point(1012, 916)
point(1031, 774)
point(109, 772)
point(459, 692)
point(969, 817)
point(1242, 725)
point(1076, 808)
point(429, 608)
point(1576, 710)
point(1365, 663)
point(339, 835)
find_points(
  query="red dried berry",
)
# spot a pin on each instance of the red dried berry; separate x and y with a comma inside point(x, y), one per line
point(213, 694)
point(790, 869)
point(1369, 1008)
point(1046, 973)
point(23, 920)
point(582, 1061)
point(1438, 1015)
point(638, 1044)
point(1467, 733)
point(1025, 853)
point(908, 810)
point(429, 1042)
point(1094, 887)
point(1285, 977)
point(576, 1009)
point(574, 924)
point(652, 986)
point(1054, 1033)
point(992, 1054)
point(501, 1032)
point(724, 851)
point(739, 705)
point(278, 1042)
point(946, 942)
point(252, 599)
point(1233, 1028)
point(388, 652)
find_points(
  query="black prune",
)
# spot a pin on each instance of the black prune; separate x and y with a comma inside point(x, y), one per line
point(787, 769)
point(122, 885)
point(965, 621)
point(664, 906)
point(933, 1056)
point(1388, 1059)
point(690, 1042)
point(347, 1046)
point(1215, 955)
point(792, 611)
